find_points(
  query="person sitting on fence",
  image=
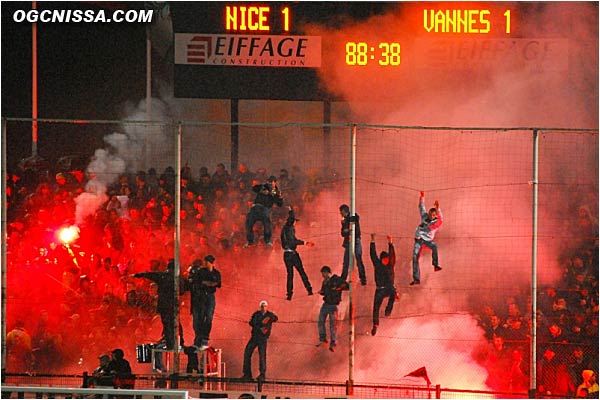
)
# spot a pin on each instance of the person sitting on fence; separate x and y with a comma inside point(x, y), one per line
point(267, 195)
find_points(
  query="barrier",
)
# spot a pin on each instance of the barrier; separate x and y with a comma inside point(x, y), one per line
point(53, 392)
point(475, 171)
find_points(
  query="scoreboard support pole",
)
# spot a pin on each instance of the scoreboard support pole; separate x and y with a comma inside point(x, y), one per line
point(327, 132)
point(235, 133)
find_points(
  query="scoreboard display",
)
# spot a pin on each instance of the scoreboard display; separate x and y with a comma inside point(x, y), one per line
point(277, 50)
point(233, 50)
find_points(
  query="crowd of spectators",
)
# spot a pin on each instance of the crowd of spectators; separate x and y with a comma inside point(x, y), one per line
point(566, 322)
point(133, 232)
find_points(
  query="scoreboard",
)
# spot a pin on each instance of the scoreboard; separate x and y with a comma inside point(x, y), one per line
point(278, 50)
point(233, 50)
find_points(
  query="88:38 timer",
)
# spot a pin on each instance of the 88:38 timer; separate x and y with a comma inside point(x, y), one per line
point(361, 53)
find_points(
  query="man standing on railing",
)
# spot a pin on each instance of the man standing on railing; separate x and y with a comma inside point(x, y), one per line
point(261, 323)
point(204, 282)
point(384, 279)
point(166, 298)
point(267, 195)
point(424, 234)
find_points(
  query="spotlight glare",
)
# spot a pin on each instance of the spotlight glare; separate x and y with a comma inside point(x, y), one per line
point(68, 234)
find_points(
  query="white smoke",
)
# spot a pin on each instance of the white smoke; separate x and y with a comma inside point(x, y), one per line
point(419, 345)
point(140, 146)
point(102, 170)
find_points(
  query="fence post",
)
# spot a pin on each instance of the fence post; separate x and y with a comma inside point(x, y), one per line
point(177, 267)
point(438, 392)
point(534, 229)
point(327, 132)
point(174, 381)
point(351, 256)
point(235, 133)
point(3, 246)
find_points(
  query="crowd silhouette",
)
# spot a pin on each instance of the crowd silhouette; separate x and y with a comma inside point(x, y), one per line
point(133, 232)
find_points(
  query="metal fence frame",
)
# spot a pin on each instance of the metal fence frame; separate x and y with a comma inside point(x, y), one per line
point(352, 128)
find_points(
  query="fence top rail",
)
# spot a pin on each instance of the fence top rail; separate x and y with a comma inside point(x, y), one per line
point(296, 124)
point(166, 393)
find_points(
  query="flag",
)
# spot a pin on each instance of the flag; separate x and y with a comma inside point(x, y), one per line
point(420, 373)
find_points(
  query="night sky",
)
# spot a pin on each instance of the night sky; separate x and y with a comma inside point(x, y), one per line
point(93, 71)
point(85, 71)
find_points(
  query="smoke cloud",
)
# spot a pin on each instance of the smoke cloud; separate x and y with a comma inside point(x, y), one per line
point(544, 74)
point(141, 146)
point(481, 179)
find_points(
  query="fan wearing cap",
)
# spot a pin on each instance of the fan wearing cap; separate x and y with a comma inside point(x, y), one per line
point(267, 195)
point(384, 279)
point(291, 258)
point(101, 375)
point(204, 282)
point(261, 322)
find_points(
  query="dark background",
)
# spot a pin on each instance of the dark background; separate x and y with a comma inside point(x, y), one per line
point(95, 70)
point(85, 71)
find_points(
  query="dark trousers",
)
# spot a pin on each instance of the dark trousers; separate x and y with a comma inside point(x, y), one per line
point(192, 364)
point(253, 343)
point(168, 333)
point(359, 262)
point(380, 294)
point(202, 316)
point(257, 213)
point(166, 317)
point(291, 260)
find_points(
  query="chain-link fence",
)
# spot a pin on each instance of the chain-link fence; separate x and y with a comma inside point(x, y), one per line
point(469, 324)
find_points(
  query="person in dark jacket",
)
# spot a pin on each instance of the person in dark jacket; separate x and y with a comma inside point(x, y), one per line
point(267, 195)
point(291, 258)
point(331, 290)
point(384, 280)
point(166, 297)
point(120, 369)
point(204, 282)
point(346, 232)
point(261, 323)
